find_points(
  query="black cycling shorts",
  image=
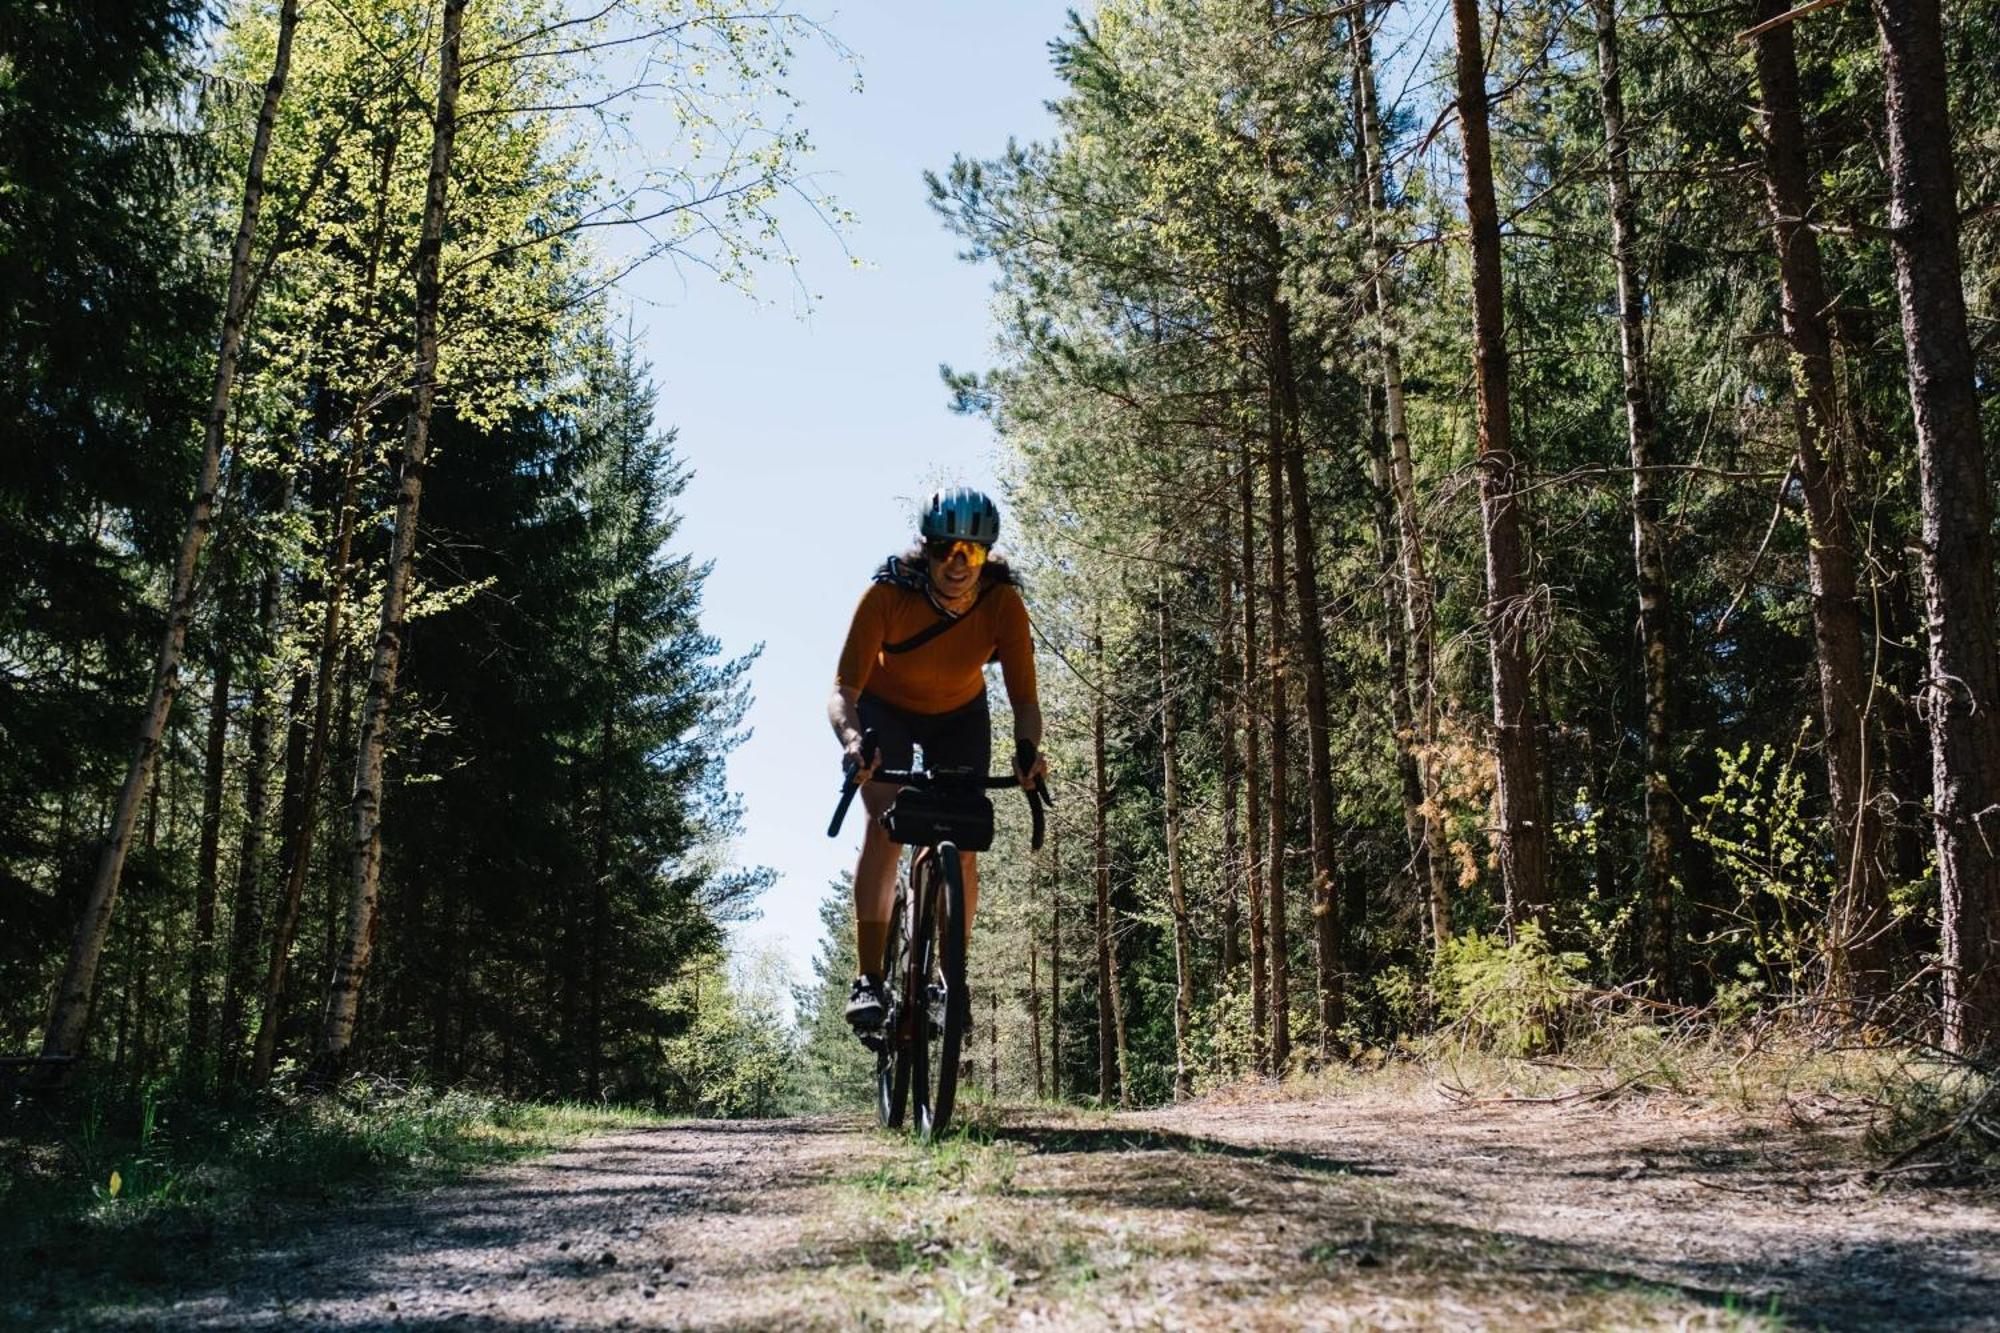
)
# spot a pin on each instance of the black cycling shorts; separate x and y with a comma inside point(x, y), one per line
point(962, 738)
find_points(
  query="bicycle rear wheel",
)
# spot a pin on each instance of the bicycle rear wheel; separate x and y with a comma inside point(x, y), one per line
point(941, 1008)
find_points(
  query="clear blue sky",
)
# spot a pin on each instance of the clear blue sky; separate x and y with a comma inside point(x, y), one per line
point(811, 439)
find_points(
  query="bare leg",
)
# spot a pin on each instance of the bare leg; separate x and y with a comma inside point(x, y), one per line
point(874, 882)
point(969, 867)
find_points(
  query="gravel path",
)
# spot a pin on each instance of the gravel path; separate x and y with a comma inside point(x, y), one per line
point(655, 1228)
point(1363, 1210)
point(1732, 1214)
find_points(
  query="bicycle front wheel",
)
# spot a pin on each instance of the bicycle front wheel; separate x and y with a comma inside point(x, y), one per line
point(941, 1006)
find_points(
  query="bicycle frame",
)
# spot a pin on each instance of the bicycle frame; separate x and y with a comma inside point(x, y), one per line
point(923, 967)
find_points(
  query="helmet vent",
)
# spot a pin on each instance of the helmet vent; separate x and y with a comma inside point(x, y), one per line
point(961, 512)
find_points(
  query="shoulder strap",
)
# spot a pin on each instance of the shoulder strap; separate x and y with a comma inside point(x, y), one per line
point(936, 627)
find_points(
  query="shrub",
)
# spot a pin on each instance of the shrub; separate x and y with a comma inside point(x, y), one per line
point(1508, 997)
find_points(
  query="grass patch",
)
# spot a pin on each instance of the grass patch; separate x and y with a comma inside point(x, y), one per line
point(108, 1193)
point(966, 1160)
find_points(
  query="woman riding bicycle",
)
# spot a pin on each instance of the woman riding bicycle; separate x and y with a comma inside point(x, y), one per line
point(912, 673)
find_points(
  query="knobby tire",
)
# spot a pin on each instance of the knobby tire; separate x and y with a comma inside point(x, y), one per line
point(940, 938)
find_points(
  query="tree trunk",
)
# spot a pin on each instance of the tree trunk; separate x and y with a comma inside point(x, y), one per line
point(1649, 555)
point(1118, 1034)
point(1330, 973)
point(340, 552)
point(70, 1012)
point(1253, 826)
point(1517, 748)
point(201, 959)
point(1416, 596)
point(1035, 1019)
point(350, 972)
point(1232, 944)
point(1107, 966)
point(1396, 653)
point(1055, 960)
point(600, 913)
point(138, 973)
point(1859, 912)
point(343, 743)
point(305, 815)
point(247, 912)
point(1281, 745)
point(1176, 886)
point(1906, 753)
point(1963, 692)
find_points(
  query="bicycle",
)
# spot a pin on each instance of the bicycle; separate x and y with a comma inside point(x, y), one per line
point(938, 814)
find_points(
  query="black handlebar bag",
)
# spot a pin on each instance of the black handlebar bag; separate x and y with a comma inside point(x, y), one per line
point(923, 817)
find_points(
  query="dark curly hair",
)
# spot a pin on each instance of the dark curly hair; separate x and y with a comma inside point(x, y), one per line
point(996, 570)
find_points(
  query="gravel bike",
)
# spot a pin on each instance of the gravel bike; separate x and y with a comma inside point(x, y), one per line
point(937, 814)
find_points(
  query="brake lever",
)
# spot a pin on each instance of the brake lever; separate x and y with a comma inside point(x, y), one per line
point(870, 753)
point(847, 790)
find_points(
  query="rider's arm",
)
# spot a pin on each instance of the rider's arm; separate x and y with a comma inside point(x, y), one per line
point(843, 711)
point(857, 661)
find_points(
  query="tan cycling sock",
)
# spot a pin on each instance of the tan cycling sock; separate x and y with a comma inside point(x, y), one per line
point(873, 937)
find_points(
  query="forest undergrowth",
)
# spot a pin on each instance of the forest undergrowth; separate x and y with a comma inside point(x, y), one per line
point(116, 1186)
point(1520, 1027)
point(1905, 1110)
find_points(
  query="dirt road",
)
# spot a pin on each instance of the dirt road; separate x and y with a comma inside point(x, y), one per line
point(1366, 1210)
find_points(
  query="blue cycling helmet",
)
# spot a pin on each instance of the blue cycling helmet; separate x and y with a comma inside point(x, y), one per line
point(961, 513)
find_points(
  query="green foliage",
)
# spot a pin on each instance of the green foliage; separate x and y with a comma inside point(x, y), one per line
point(1508, 997)
point(107, 302)
point(1197, 240)
point(560, 826)
point(735, 1057)
point(1224, 1044)
point(602, 869)
point(1757, 824)
point(836, 1072)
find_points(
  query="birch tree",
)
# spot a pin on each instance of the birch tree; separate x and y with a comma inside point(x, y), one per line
point(70, 1012)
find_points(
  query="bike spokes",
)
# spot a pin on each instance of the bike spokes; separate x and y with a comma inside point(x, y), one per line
point(892, 1066)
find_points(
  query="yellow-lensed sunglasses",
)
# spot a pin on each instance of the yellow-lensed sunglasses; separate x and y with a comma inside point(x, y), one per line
point(944, 549)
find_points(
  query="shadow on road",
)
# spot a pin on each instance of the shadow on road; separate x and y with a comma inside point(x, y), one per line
point(1720, 1222)
point(722, 1226)
point(1073, 1139)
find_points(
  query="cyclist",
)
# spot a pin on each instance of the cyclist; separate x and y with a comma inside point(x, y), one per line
point(912, 672)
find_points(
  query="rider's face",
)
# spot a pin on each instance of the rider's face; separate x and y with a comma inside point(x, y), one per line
point(954, 574)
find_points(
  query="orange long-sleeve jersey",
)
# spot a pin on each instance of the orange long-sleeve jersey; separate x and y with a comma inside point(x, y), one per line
point(946, 673)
